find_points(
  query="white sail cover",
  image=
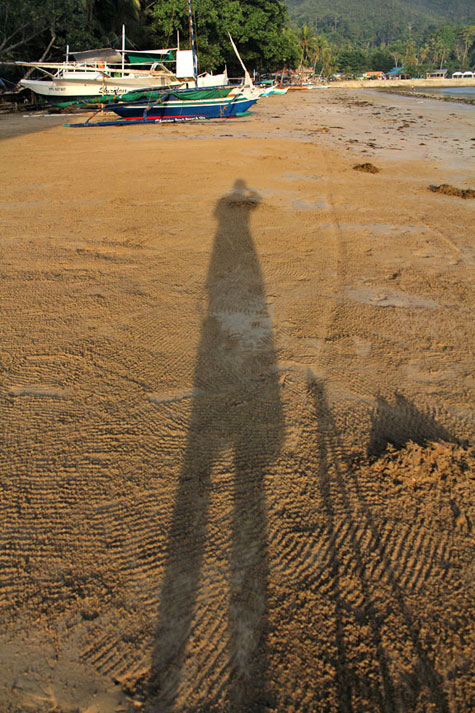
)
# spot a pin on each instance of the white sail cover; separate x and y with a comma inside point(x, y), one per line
point(184, 63)
point(212, 80)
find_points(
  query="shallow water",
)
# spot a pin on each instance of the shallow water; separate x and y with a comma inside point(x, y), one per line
point(453, 92)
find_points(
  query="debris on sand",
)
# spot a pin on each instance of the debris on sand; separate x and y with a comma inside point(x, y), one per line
point(366, 168)
point(360, 103)
point(449, 190)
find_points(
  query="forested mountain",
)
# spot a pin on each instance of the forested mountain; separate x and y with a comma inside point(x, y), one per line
point(372, 22)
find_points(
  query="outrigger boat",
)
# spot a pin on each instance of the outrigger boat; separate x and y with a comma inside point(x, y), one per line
point(187, 104)
point(174, 106)
point(274, 89)
point(69, 82)
point(80, 82)
point(98, 75)
point(177, 105)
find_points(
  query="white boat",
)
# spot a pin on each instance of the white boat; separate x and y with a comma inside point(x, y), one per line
point(104, 73)
point(74, 82)
point(70, 81)
point(95, 74)
point(110, 72)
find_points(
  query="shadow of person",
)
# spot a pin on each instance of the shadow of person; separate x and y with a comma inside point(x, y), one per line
point(236, 408)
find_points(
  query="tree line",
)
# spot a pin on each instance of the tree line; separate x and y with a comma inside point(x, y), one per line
point(267, 39)
point(451, 47)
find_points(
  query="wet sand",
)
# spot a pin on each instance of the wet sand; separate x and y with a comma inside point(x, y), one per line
point(236, 393)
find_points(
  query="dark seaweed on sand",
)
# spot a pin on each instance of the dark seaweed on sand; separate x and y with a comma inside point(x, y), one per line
point(366, 168)
point(448, 190)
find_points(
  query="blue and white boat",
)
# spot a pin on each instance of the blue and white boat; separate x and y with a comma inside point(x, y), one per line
point(172, 108)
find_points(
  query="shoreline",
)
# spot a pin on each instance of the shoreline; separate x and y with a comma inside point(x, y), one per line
point(362, 84)
point(425, 95)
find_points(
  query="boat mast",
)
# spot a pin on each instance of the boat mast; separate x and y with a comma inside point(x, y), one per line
point(123, 49)
point(193, 48)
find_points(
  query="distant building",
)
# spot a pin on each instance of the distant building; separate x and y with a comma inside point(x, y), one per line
point(397, 73)
point(437, 74)
point(373, 75)
point(468, 75)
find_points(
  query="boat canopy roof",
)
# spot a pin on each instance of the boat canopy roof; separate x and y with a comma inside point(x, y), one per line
point(101, 55)
point(113, 56)
point(147, 56)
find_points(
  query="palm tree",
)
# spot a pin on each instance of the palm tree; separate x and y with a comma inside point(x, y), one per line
point(308, 45)
point(410, 57)
point(324, 55)
point(467, 37)
point(397, 50)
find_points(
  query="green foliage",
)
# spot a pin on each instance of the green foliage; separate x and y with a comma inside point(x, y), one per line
point(352, 62)
point(258, 28)
point(381, 59)
point(27, 27)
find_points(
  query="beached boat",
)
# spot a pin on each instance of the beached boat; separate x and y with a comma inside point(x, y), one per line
point(274, 89)
point(151, 94)
point(82, 82)
point(180, 93)
point(186, 104)
point(99, 76)
point(172, 106)
point(178, 105)
point(92, 74)
point(300, 87)
point(99, 81)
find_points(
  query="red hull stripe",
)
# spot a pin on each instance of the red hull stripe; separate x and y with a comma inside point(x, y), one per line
point(178, 116)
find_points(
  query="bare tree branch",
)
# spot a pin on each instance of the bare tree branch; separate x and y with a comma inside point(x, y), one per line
point(43, 56)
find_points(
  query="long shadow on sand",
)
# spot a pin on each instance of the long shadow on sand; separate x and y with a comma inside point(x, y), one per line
point(236, 408)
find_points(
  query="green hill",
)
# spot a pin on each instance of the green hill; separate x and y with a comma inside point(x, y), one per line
point(375, 21)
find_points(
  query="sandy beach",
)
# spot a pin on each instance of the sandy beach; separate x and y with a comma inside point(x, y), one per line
point(236, 407)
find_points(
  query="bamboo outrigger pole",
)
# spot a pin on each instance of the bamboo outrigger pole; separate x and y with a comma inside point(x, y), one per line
point(247, 76)
point(123, 49)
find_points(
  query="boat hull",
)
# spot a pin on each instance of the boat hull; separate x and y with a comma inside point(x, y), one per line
point(60, 89)
point(83, 85)
point(204, 109)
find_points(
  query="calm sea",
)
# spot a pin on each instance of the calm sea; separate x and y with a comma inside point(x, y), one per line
point(454, 92)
